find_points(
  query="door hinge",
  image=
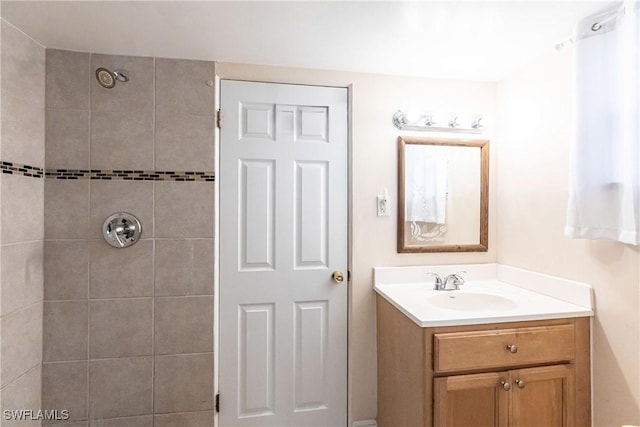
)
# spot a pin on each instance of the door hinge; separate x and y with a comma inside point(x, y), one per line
point(218, 402)
point(219, 119)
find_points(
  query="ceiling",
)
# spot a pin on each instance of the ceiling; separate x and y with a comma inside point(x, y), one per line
point(470, 40)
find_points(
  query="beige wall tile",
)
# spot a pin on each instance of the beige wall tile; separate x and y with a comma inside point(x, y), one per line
point(67, 139)
point(66, 209)
point(120, 328)
point(68, 79)
point(184, 142)
point(203, 267)
point(134, 95)
point(181, 86)
point(183, 325)
point(22, 211)
point(66, 269)
point(183, 383)
point(23, 393)
point(21, 342)
point(122, 140)
point(109, 197)
point(143, 421)
point(184, 267)
point(64, 386)
point(120, 387)
point(21, 275)
point(65, 330)
point(173, 266)
point(124, 272)
point(184, 419)
point(22, 110)
point(184, 209)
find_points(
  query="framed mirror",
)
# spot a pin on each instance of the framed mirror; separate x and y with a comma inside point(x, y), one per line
point(443, 195)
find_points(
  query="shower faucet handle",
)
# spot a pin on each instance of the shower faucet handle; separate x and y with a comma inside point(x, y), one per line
point(121, 229)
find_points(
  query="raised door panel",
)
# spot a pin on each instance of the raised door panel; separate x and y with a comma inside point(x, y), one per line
point(256, 215)
point(312, 215)
point(543, 397)
point(310, 356)
point(256, 336)
point(477, 400)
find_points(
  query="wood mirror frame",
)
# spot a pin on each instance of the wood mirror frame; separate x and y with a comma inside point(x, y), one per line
point(483, 243)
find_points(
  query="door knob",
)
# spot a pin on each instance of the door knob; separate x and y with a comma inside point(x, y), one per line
point(505, 385)
point(337, 276)
point(519, 383)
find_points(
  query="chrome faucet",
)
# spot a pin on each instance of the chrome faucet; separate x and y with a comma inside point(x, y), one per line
point(441, 284)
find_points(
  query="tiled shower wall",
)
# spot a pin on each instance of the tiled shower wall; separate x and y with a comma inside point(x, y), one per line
point(128, 333)
point(22, 221)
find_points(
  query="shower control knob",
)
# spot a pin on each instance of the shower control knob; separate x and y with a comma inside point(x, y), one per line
point(121, 229)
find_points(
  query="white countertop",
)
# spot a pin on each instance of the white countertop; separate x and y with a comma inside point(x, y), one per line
point(537, 296)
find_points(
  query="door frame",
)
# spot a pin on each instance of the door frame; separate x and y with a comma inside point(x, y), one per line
point(216, 299)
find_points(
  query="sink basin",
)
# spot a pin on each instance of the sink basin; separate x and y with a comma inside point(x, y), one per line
point(470, 301)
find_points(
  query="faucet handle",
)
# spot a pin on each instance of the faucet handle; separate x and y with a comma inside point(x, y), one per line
point(458, 280)
point(437, 285)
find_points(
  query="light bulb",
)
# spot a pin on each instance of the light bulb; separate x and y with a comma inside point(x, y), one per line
point(412, 116)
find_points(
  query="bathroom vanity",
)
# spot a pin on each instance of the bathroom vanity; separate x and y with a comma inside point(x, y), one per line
point(519, 358)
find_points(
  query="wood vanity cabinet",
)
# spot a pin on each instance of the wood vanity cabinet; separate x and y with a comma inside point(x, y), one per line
point(520, 374)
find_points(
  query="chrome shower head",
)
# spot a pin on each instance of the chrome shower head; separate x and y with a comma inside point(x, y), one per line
point(107, 78)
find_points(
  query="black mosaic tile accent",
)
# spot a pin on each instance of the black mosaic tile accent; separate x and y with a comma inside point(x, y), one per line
point(20, 169)
point(97, 174)
point(129, 175)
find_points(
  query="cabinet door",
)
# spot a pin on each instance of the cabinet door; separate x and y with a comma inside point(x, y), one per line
point(477, 400)
point(542, 397)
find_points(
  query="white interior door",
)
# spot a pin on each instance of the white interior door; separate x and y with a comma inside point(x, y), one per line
point(283, 232)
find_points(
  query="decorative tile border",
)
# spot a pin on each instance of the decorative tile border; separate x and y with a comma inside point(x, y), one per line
point(20, 169)
point(98, 174)
point(129, 175)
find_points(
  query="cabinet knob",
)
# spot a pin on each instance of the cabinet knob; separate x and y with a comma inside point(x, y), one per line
point(519, 383)
point(505, 385)
point(512, 348)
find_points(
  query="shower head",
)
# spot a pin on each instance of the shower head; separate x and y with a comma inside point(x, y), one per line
point(107, 78)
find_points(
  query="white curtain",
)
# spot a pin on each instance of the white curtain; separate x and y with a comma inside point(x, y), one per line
point(605, 160)
point(427, 175)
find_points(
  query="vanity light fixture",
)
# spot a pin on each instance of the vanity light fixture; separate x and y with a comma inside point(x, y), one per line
point(438, 123)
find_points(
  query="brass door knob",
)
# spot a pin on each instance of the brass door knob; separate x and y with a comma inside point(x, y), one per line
point(337, 276)
point(505, 385)
point(519, 383)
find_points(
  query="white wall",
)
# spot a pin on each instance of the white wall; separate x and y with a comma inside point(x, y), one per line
point(532, 152)
point(374, 99)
